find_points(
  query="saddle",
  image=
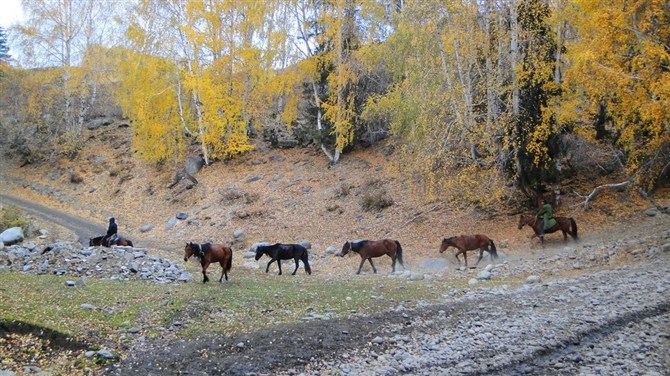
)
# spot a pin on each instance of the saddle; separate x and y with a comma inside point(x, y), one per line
point(112, 239)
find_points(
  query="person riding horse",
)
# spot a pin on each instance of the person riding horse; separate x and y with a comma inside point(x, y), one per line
point(112, 230)
point(546, 216)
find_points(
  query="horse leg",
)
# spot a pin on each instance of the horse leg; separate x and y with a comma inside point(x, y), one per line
point(393, 264)
point(565, 235)
point(296, 265)
point(267, 268)
point(465, 257)
point(481, 254)
point(373, 265)
point(360, 266)
point(205, 265)
point(279, 265)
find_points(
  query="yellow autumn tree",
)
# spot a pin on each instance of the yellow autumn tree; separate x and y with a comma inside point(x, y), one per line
point(617, 81)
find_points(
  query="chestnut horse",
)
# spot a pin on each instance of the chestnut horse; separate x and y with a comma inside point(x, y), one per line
point(368, 249)
point(209, 253)
point(466, 243)
point(564, 224)
point(280, 252)
point(97, 241)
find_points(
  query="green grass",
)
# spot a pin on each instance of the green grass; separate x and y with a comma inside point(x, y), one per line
point(249, 301)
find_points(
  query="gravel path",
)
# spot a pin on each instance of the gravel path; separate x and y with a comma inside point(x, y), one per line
point(612, 322)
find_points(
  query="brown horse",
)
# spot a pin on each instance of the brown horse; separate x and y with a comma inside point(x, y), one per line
point(97, 241)
point(466, 243)
point(368, 249)
point(209, 253)
point(564, 224)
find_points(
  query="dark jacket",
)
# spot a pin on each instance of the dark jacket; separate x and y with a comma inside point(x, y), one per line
point(111, 229)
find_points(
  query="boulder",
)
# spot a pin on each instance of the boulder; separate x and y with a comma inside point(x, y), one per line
point(12, 236)
point(193, 164)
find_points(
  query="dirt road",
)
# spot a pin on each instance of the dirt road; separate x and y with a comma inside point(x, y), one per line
point(83, 228)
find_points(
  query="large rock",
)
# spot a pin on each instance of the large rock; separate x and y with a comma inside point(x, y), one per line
point(97, 123)
point(193, 164)
point(12, 236)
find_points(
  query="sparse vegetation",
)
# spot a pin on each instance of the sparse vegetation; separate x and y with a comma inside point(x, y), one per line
point(75, 178)
point(376, 200)
point(13, 216)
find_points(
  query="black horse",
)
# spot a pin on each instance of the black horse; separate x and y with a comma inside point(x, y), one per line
point(280, 252)
point(117, 241)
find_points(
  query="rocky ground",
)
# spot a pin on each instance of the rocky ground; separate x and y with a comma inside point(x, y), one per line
point(605, 320)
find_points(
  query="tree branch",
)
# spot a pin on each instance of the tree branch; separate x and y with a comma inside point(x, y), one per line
point(596, 192)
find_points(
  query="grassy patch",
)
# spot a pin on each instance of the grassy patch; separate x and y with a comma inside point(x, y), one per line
point(250, 301)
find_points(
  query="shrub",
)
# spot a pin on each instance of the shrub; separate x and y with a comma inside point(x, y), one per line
point(376, 200)
point(76, 178)
point(12, 216)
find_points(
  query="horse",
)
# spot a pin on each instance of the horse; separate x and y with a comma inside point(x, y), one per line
point(466, 243)
point(278, 252)
point(118, 240)
point(564, 224)
point(368, 249)
point(209, 253)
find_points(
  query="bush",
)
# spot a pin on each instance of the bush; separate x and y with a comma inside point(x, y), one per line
point(376, 200)
point(76, 178)
point(12, 216)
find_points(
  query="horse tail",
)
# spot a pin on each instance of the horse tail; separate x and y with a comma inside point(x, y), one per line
point(398, 253)
point(574, 228)
point(229, 264)
point(305, 260)
point(494, 251)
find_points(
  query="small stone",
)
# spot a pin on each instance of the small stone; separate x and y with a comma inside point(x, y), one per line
point(484, 275)
point(378, 340)
point(69, 283)
point(240, 345)
point(87, 306)
point(533, 279)
point(651, 212)
point(106, 354)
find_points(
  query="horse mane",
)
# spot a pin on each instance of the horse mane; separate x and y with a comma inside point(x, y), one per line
point(202, 249)
point(355, 246)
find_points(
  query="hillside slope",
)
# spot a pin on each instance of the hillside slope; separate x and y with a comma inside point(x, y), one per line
point(286, 195)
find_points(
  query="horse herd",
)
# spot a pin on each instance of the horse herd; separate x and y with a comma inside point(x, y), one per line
point(367, 249)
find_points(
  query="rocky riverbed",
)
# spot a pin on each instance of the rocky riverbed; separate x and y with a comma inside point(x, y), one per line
point(71, 259)
point(612, 322)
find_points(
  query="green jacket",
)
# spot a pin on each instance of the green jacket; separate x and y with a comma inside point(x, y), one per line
point(547, 215)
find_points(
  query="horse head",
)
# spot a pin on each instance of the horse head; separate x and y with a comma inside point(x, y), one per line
point(259, 252)
point(523, 220)
point(345, 249)
point(446, 242)
point(188, 251)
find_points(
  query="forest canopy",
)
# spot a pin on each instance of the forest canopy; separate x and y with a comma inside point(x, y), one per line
point(496, 95)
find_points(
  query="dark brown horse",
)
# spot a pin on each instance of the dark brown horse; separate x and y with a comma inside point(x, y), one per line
point(368, 249)
point(466, 243)
point(209, 253)
point(97, 241)
point(278, 252)
point(564, 224)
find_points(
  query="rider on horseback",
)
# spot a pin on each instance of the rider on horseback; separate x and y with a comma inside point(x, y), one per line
point(110, 237)
point(546, 216)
